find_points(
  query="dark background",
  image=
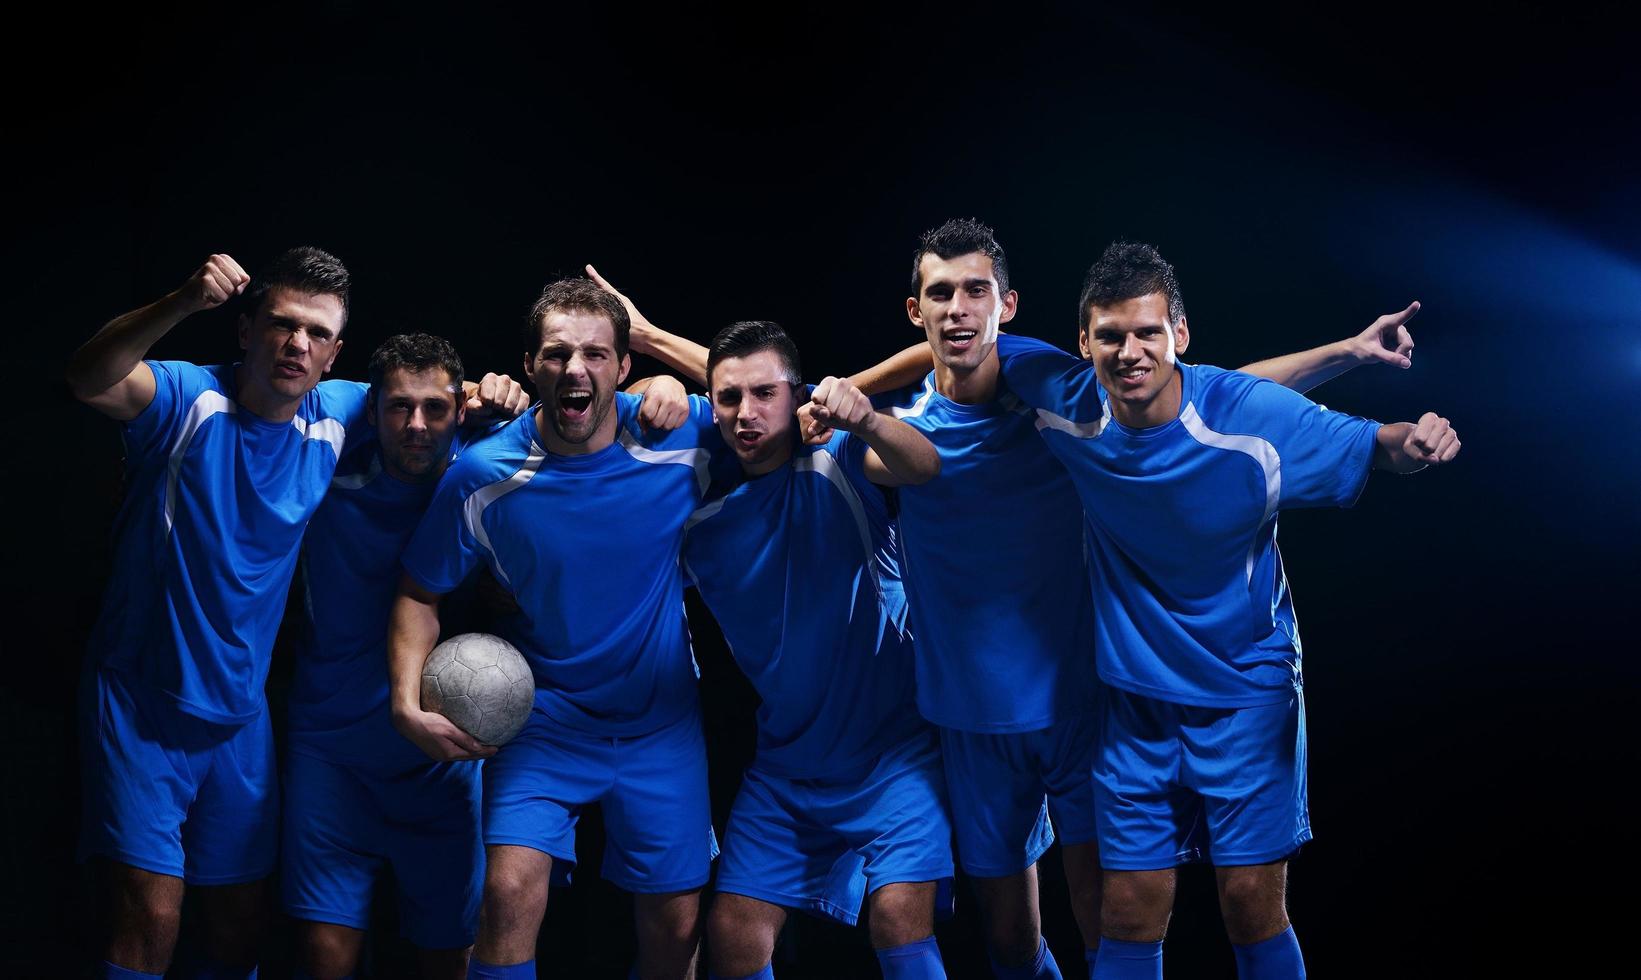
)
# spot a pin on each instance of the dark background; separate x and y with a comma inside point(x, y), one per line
point(1470, 648)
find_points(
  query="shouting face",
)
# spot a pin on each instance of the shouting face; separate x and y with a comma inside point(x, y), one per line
point(576, 370)
point(754, 400)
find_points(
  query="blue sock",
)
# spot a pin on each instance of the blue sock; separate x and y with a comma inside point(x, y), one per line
point(1090, 955)
point(109, 971)
point(913, 961)
point(1117, 960)
point(767, 973)
point(1042, 967)
point(1277, 958)
point(216, 971)
point(477, 969)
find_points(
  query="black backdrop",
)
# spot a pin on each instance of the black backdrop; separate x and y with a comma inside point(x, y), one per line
point(1470, 656)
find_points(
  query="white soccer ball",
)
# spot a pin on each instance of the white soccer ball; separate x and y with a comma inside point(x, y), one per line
point(480, 682)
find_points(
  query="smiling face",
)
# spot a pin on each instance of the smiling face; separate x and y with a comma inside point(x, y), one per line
point(290, 342)
point(959, 308)
point(576, 371)
point(754, 402)
point(416, 414)
point(1134, 349)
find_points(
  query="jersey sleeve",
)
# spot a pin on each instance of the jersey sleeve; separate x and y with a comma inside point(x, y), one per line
point(1324, 457)
point(1046, 377)
point(445, 546)
point(177, 386)
point(347, 402)
point(850, 452)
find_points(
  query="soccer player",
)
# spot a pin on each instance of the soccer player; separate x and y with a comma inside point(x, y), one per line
point(359, 797)
point(1182, 471)
point(580, 514)
point(797, 561)
point(225, 465)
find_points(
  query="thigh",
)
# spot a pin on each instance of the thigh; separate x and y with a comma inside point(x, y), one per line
point(1147, 817)
point(232, 833)
point(331, 838)
point(141, 764)
point(435, 844)
point(657, 817)
point(1248, 764)
point(776, 852)
point(897, 820)
point(1066, 759)
point(535, 787)
point(999, 806)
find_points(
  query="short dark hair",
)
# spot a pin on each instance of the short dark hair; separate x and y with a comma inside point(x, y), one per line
point(1128, 270)
point(415, 352)
point(748, 337)
point(304, 269)
point(960, 236)
point(574, 294)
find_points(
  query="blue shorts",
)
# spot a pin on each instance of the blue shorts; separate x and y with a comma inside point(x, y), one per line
point(170, 793)
point(1005, 787)
point(344, 824)
point(1170, 775)
point(823, 845)
point(652, 789)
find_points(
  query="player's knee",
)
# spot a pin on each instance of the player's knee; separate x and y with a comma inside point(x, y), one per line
point(511, 894)
point(676, 924)
point(328, 953)
point(740, 945)
point(1252, 908)
point(901, 914)
point(1135, 909)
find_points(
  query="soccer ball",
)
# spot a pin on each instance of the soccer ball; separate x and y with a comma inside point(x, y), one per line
point(481, 683)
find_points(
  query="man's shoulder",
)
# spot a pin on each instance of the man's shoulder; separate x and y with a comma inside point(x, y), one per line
point(908, 402)
point(499, 456)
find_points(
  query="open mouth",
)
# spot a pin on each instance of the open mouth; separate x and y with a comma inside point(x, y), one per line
point(1133, 377)
point(289, 369)
point(961, 339)
point(574, 404)
point(747, 438)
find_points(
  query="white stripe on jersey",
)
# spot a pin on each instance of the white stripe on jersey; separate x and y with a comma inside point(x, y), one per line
point(918, 407)
point(473, 507)
point(208, 403)
point(697, 458)
point(1262, 452)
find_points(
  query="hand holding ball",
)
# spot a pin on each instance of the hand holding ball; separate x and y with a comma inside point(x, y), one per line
point(482, 684)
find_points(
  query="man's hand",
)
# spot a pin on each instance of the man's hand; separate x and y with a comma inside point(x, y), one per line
point(665, 406)
point(439, 737)
point(641, 338)
point(814, 433)
point(840, 405)
point(496, 397)
point(212, 284)
point(1432, 442)
point(1386, 340)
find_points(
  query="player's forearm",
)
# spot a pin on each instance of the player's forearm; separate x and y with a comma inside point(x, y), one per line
point(1306, 369)
point(682, 355)
point(114, 352)
point(1390, 449)
point(412, 632)
point(905, 368)
point(904, 452)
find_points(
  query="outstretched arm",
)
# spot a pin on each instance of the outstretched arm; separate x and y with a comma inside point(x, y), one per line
point(1406, 447)
point(684, 356)
point(108, 372)
point(1385, 341)
point(897, 454)
point(666, 404)
point(899, 370)
point(412, 633)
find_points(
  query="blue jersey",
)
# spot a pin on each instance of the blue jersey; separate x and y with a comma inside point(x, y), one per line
point(588, 545)
point(996, 570)
point(216, 502)
point(350, 562)
point(801, 570)
point(1193, 606)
